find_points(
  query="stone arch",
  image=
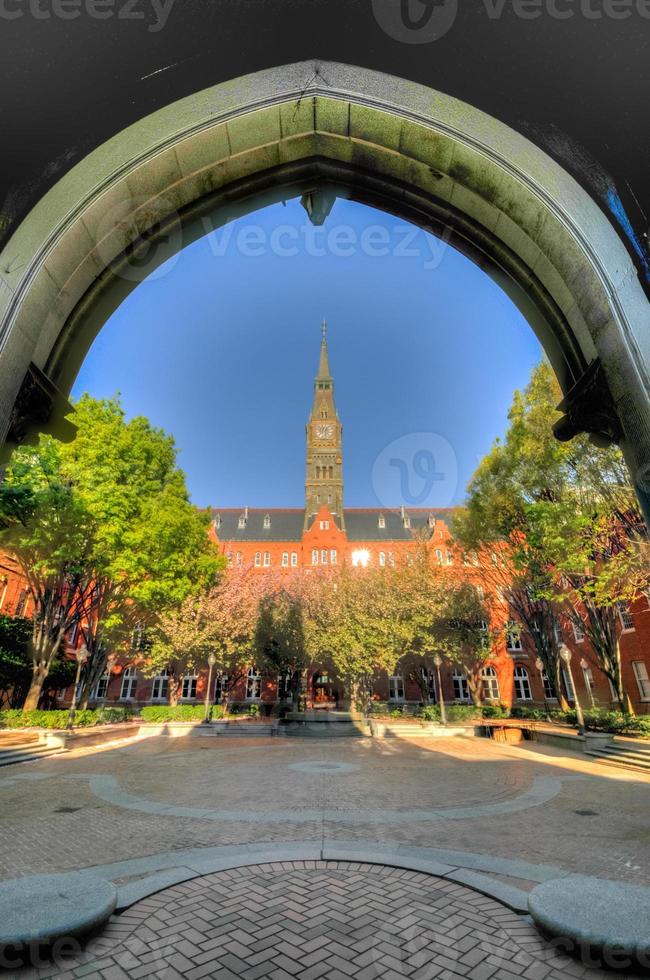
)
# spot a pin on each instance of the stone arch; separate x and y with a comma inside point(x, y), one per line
point(319, 129)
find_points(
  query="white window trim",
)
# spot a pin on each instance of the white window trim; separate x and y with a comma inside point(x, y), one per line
point(395, 683)
point(253, 678)
point(523, 677)
point(130, 681)
point(162, 676)
point(460, 679)
point(189, 678)
point(624, 610)
point(642, 680)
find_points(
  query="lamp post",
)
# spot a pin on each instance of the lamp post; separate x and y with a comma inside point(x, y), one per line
point(211, 662)
point(585, 668)
point(81, 655)
point(437, 660)
point(565, 655)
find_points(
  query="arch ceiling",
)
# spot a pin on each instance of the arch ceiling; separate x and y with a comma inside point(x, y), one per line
point(315, 128)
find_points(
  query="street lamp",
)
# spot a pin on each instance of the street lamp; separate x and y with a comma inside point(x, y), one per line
point(437, 660)
point(585, 668)
point(211, 662)
point(565, 655)
point(81, 655)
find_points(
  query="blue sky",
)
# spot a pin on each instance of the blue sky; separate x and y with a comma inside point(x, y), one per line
point(220, 346)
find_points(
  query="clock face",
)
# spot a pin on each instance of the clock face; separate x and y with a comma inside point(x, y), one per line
point(324, 430)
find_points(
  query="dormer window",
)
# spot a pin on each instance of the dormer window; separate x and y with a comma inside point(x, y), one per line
point(267, 521)
point(217, 521)
point(431, 521)
point(407, 520)
point(241, 523)
point(381, 521)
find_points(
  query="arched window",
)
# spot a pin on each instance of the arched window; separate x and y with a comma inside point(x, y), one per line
point(267, 559)
point(258, 558)
point(522, 684)
point(461, 687)
point(314, 556)
point(267, 520)
point(285, 559)
point(382, 557)
point(439, 556)
point(381, 521)
point(490, 684)
point(294, 559)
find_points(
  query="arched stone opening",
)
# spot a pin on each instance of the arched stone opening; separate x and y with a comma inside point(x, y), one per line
point(318, 129)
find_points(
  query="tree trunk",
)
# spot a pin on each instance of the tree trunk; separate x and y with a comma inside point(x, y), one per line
point(35, 688)
point(173, 690)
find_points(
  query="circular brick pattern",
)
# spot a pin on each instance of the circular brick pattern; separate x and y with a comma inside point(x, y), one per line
point(324, 768)
point(332, 920)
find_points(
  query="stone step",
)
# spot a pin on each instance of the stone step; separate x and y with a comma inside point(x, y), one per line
point(622, 758)
point(242, 728)
point(26, 753)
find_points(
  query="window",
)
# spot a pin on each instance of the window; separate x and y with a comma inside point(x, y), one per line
point(588, 676)
point(381, 521)
point(72, 634)
point(324, 525)
point(22, 603)
point(360, 557)
point(450, 557)
point(461, 686)
point(253, 685)
point(241, 523)
point(396, 688)
point(285, 559)
point(189, 687)
point(294, 559)
point(258, 559)
point(548, 690)
point(267, 521)
point(220, 687)
point(238, 558)
point(314, 556)
point(429, 683)
point(129, 684)
point(333, 556)
point(382, 557)
point(642, 679)
point(625, 616)
point(490, 684)
point(578, 633)
point(267, 559)
point(439, 556)
point(284, 686)
point(100, 688)
point(568, 685)
point(522, 685)
point(513, 637)
point(323, 556)
point(160, 686)
point(557, 631)
point(217, 521)
point(229, 557)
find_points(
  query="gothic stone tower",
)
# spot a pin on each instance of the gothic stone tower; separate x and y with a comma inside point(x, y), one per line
point(324, 483)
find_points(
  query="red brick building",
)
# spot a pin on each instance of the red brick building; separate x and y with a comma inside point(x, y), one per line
point(324, 535)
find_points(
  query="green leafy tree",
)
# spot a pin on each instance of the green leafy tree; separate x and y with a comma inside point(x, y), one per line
point(104, 532)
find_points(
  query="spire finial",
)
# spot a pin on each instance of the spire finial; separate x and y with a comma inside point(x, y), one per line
point(323, 328)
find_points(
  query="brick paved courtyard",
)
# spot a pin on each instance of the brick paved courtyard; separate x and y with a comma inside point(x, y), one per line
point(486, 812)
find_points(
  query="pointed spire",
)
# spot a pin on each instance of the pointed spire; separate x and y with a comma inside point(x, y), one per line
point(323, 364)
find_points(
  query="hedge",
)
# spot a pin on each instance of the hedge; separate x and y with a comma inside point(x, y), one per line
point(17, 718)
point(180, 712)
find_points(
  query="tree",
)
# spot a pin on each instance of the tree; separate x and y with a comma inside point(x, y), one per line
point(564, 521)
point(104, 532)
point(280, 640)
point(15, 661)
point(463, 632)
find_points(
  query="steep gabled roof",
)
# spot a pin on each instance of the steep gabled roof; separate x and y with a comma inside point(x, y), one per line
point(361, 523)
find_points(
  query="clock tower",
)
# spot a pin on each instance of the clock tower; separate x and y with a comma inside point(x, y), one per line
point(324, 483)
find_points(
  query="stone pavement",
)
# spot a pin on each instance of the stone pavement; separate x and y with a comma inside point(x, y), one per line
point(140, 813)
point(317, 919)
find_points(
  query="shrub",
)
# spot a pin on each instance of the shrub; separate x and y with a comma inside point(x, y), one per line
point(378, 708)
point(253, 710)
point(603, 720)
point(396, 712)
point(464, 712)
point(16, 718)
point(429, 712)
point(159, 713)
point(495, 711)
point(531, 714)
